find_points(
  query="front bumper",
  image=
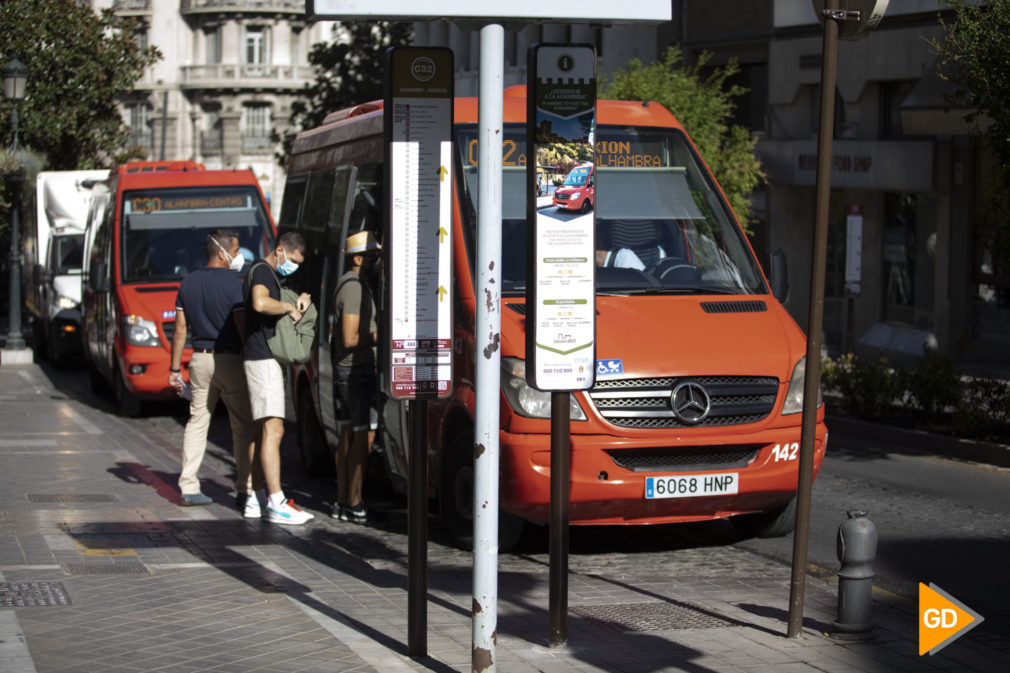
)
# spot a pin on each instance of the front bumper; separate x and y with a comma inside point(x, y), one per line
point(603, 492)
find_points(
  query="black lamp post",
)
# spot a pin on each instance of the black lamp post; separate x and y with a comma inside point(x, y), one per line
point(15, 78)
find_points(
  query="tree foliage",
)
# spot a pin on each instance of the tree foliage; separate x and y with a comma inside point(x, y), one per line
point(704, 104)
point(349, 70)
point(973, 58)
point(79, 62)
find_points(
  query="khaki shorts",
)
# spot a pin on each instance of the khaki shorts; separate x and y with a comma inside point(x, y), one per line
point(266, 388)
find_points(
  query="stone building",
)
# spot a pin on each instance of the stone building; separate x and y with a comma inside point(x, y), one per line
point(229, 72)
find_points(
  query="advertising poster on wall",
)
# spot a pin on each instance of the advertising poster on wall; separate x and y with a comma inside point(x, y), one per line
point(561, 282)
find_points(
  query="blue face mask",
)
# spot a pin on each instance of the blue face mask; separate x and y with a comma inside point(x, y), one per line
point(288, 267)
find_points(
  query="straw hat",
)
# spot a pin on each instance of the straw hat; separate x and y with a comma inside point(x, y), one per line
point(360, 243)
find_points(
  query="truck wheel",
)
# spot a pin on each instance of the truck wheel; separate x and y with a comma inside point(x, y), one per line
point(128, 404)
point(456, 494)
point(317, 461)
point(775, 523)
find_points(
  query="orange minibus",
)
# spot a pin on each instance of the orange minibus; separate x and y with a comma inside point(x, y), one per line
point(696, 410)
point(147, 228)
point(577, 191)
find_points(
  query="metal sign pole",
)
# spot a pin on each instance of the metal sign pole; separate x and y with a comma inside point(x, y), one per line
point(811, 381)
point(487, 370)
point(561, 458)
point(417, 533)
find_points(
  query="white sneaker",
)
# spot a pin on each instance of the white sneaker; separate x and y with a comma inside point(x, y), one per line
point(252, 508)
point(287, 512)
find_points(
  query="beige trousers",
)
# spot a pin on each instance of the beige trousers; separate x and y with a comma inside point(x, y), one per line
point(213, 377)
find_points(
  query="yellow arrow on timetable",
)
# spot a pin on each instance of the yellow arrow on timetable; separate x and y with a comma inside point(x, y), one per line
point(441, 293)
point(442, 233)
point(442, 171)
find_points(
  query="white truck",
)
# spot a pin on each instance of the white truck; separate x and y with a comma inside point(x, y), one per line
point(53, 248)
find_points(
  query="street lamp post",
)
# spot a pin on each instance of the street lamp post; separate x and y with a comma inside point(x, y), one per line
point(15, 78)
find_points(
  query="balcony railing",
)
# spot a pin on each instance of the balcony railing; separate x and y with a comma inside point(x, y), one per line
point(245, 75)
point(256, 144)
point(196, 6)
point(131, 6)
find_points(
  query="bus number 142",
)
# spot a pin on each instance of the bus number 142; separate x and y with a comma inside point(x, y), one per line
point(786, 451)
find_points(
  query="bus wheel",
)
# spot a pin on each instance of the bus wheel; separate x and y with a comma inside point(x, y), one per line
point(456, 494)
point(127, 403)
point(586, 206)
point(316, 459)
point(775, 523)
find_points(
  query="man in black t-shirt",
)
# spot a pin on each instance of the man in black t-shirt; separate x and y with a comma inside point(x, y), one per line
point(209, 308)
point(264, 374)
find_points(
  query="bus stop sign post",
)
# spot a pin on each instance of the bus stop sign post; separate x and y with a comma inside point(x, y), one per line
point(418, 131)
point(560, 277)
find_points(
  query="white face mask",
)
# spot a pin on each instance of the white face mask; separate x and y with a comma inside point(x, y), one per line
point(234, 263)
point(288, 267)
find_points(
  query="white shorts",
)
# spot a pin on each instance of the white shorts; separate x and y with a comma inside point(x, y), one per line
point(266, 388)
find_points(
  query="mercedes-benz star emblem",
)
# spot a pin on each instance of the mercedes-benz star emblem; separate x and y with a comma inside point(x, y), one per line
point(690, 402)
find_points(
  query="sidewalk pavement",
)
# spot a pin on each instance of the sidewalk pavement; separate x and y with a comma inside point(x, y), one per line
point(102, 570)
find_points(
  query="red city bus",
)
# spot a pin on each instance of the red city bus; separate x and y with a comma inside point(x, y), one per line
point(696, 410)
point(147, 228)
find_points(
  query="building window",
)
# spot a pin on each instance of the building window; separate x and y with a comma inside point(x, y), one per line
point(139, 120)
point(909, 258)
point(213, 37)
point(892, 95)
point(255, 127)
point(140, 36)
point(213, 134)
point(256, 38)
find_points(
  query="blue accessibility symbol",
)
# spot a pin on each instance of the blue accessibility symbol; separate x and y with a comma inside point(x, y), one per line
point(609, 367)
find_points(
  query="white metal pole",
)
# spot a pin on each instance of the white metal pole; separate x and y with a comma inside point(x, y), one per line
point(487, 371)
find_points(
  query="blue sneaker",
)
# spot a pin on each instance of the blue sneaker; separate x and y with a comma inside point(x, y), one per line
point(194, 499)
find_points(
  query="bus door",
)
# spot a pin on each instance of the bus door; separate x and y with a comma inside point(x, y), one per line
point(332, 270)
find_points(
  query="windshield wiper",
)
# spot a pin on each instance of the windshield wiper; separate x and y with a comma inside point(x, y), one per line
point(673, 290)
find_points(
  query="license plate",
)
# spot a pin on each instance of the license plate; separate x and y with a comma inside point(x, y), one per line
point(692, 486)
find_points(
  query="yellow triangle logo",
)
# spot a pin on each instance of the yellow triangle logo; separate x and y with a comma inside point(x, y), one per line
point(942, 619)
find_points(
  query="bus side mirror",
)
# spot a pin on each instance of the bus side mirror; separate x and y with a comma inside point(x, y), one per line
point(779, 275)
point(99, 278)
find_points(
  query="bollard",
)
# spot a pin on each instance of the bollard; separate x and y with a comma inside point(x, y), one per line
point(857, 547)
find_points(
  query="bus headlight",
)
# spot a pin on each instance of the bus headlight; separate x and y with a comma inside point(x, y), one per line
point(794, 394)
point(140, 331)
point(527, 401)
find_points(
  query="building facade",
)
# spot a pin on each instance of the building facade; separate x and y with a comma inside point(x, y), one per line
point(909, 262)
point(229, 73)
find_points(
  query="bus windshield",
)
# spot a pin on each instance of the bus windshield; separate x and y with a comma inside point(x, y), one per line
point(165, 230)
point(577, 177)
point(661, 224)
